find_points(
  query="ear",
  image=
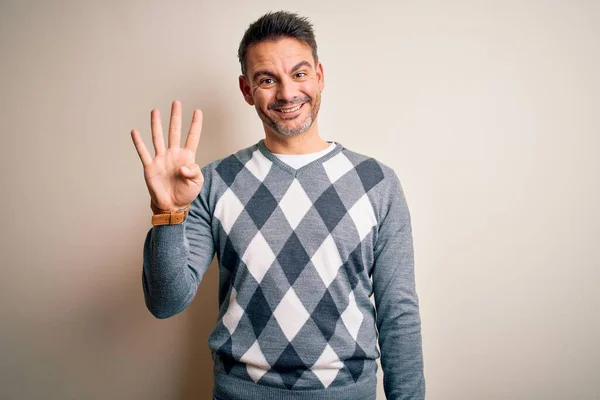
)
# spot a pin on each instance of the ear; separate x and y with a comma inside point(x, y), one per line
point(320, 76)
point(246, 91)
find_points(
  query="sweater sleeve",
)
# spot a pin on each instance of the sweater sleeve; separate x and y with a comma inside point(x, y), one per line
point(396, 301)
point(176, 258)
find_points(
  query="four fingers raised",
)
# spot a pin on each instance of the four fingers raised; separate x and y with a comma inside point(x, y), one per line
point(174, 139)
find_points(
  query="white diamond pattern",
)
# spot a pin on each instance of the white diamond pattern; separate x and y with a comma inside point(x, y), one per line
point(352, 316)
point(234, 313)
point(258, 257)
point(291, 314)
point(256, 363)
point(337, 166)
point(327, 260)
point(228, 209)
point(259, 165)
point(363, 216)
point(295, 204)
point(327, 366)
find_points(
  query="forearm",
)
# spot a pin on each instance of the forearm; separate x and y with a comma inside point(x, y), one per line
point(401, 347)
point(175, 260)
point(169, 283)
point(399, 321)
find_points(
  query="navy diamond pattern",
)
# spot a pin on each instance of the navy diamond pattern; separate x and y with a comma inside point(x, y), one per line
point(330, 207)
point(258, 311)
point(290, 366)
point(326, 315)
point(227, 355)
point(354, 266)
point(261, 205)
point(228, 169)
point(370, 173)
point(230, 259)
point(356, 363)
point(293, 258)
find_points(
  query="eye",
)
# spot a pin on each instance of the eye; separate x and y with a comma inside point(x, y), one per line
point(267, 81)
point(300, 74)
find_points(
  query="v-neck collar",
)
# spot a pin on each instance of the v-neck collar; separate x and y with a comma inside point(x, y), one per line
point(288, 168)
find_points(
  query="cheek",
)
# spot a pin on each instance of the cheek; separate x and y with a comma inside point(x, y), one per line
point(310, 87)
point(261, 97)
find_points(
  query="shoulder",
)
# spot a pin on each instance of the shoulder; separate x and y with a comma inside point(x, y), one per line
point(380, 182)
point(241, 156)
point(383, 188)
point(374, 173)
point(229, 166)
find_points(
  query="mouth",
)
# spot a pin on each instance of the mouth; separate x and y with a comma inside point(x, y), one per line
point(289, 110)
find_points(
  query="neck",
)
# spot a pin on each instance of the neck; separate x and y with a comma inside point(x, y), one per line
point(304, 143)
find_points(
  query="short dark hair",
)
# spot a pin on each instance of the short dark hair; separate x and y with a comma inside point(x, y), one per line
point(274, 26)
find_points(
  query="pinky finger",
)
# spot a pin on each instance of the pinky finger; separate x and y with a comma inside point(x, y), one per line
point(142, 151)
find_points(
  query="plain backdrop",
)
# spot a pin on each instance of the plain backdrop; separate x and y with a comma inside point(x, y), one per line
point(487, 110)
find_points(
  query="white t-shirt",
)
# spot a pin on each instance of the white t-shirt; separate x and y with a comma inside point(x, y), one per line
point(300, 160)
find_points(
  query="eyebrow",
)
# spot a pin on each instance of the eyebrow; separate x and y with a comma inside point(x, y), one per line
point(269, 73)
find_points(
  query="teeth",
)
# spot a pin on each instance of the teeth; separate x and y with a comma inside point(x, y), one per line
point(289, 110)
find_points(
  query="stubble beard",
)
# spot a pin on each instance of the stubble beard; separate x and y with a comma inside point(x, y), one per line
point(297, 130)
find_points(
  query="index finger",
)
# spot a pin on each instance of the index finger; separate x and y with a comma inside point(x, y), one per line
point(193, 138)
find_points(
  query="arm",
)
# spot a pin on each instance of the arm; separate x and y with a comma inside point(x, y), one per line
point(396, 300)
point(176, 258)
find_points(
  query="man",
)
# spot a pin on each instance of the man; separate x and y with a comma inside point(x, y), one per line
point(305, 231)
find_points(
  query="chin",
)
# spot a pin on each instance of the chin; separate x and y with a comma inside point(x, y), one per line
point(296, 128)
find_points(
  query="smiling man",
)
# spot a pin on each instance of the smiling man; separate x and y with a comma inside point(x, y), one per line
point(283, 80)
point(305, 232)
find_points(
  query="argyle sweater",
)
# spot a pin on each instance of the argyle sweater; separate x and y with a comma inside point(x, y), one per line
point(300, 253)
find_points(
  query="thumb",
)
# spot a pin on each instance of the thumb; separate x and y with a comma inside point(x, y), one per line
point(190, 171)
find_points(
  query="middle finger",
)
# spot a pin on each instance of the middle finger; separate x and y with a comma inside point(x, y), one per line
point(175, 125)
point(157, 133)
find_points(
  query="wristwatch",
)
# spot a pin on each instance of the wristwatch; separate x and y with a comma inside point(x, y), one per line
point(170, 217)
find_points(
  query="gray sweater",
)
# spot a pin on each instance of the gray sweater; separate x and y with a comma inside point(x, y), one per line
point(301, 252)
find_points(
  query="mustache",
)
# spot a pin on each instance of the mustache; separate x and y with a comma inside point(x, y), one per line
point(287, 103)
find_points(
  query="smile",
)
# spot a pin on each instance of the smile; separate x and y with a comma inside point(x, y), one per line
point(289, 110)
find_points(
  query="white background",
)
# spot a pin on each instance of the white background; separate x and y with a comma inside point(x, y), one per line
point(487, 110)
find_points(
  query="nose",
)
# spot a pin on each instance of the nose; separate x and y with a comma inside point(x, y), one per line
point(285, 90)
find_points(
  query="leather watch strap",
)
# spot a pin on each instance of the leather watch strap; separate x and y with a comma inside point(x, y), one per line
point(170, 217)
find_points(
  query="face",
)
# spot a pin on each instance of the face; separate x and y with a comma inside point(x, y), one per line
point(284, 84)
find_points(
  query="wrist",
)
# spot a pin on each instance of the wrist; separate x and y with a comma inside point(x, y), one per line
point(164, 217)
point(156, 210)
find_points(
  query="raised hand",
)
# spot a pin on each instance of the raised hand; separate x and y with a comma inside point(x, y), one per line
point(173, 178)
